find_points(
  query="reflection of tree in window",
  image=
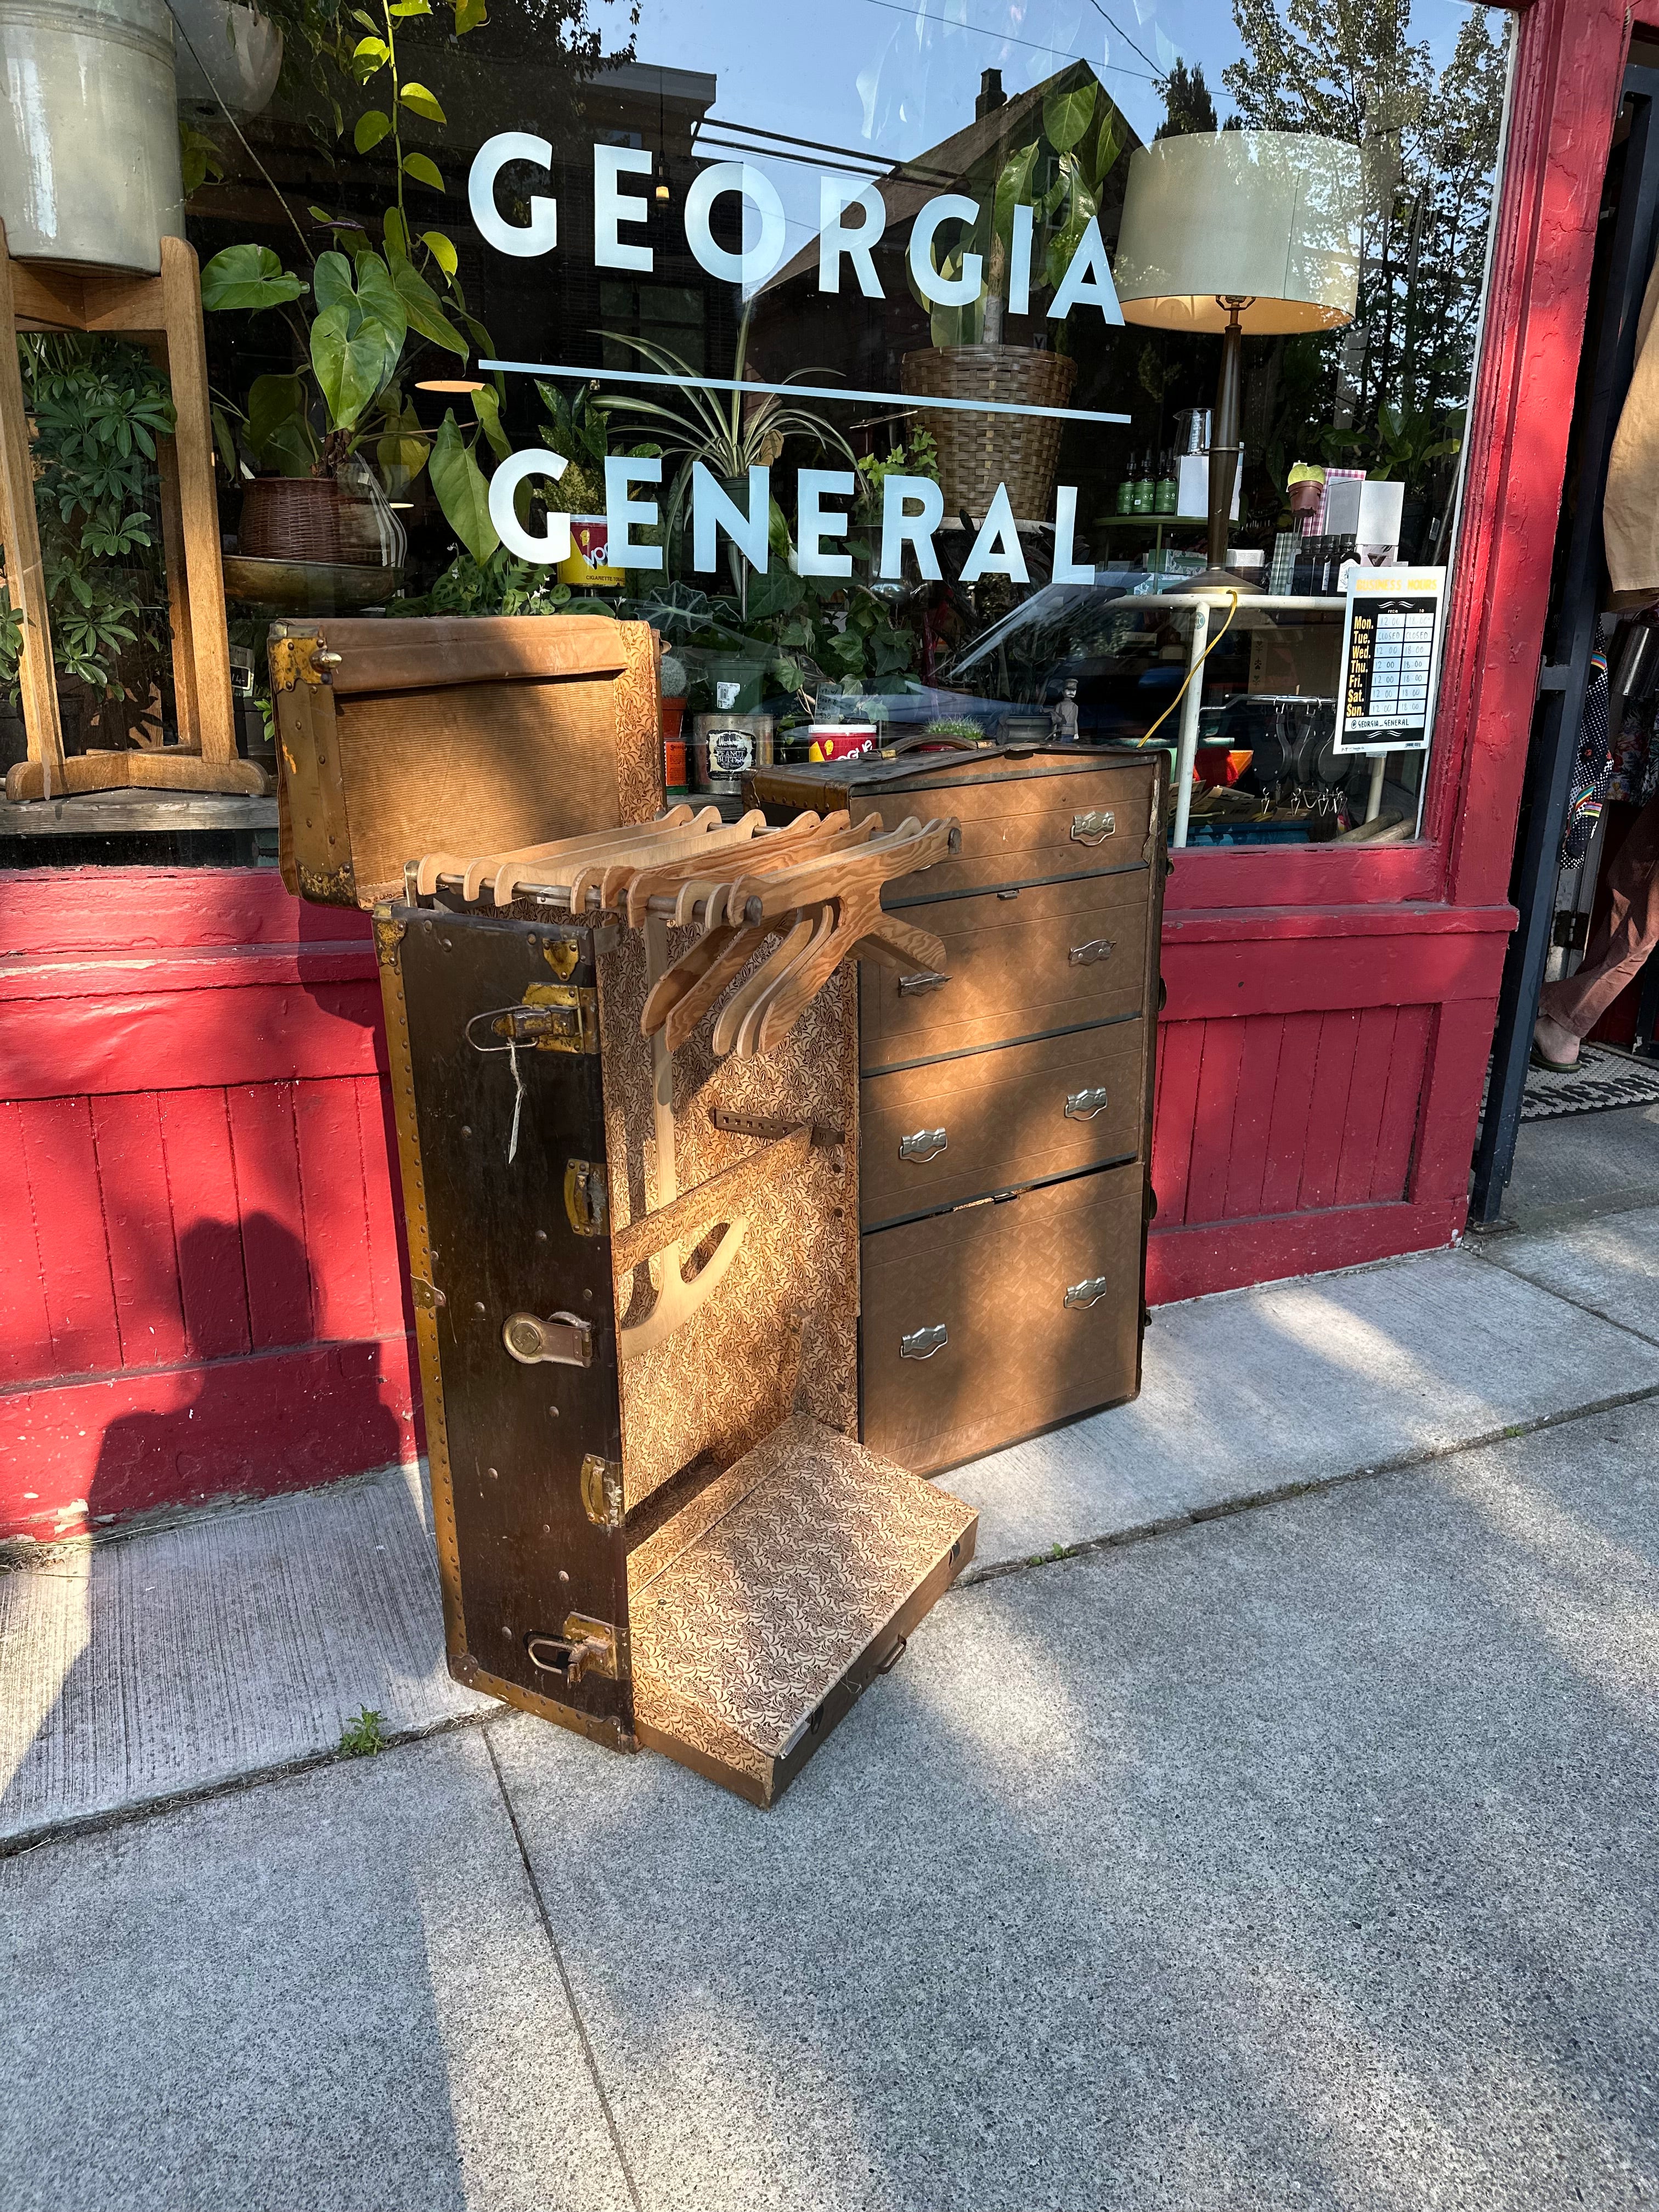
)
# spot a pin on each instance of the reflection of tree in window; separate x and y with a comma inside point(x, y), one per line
point(1388, 395)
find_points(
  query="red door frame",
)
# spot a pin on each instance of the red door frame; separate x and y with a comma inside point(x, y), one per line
point(1432, 915)
point(202, 1290)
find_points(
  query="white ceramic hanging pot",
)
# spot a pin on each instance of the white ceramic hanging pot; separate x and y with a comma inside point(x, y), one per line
point(90, 133)
point(227, 50)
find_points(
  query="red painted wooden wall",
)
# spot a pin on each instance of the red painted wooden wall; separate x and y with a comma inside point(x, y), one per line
point(201, 1287)
point(201, 1291)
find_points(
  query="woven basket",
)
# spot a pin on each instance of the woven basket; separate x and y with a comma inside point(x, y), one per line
point(291, 519)
point(977, 453)
point(320, 518)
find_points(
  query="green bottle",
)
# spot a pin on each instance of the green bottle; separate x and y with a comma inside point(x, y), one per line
point(1164, 500)
point(1126, 490)
point(1143, 495)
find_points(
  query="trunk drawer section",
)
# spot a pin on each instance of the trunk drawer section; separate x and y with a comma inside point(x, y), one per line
point(1005, 1116)
point(1015, 1356)
point(1055, 957)
point(1018, 829)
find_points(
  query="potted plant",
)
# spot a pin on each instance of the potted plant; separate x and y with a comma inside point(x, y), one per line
point(89, 160)
point(1061, 143)
point(98, 407)
point(303, 442)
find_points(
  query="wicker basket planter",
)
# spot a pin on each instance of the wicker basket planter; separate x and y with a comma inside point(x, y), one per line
point(976, 453)
point(321, 518)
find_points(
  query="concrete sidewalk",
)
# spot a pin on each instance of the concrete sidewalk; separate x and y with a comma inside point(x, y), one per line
point(1305, 1856)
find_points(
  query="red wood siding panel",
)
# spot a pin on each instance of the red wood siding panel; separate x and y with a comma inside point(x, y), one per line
point(61, 1164)
point(1188, 1263)
point(207, 1221)
point(1397, 1132)
point(337, 1211)
point(25, 1325)
point(1287, 1114)
point(1180, 1058)
point(1293, 1082)
point(1213, 1124)
point(137, 1210)
point(1253, 1117)
point(272, 1218)
point(137, 909)
point(99, 1449)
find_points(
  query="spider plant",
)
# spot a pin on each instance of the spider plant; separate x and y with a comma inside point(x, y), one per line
point(729, 432)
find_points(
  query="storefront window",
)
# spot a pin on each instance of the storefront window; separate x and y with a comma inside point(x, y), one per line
point(890, 360)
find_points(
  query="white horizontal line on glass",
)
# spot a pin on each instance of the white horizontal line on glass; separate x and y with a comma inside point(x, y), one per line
point(796, 391)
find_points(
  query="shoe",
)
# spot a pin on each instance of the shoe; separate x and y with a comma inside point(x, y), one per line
point(1542, 1058)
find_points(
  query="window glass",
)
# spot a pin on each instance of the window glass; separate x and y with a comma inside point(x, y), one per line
point(890, 359)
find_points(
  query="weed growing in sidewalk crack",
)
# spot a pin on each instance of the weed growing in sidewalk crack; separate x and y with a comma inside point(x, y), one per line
point(363, 1734)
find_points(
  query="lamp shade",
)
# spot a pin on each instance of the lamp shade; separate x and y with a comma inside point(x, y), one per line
point(1270, 216)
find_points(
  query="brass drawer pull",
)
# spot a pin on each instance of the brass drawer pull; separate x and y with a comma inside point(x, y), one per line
point(1083, 1105)
point(923, 1144)
point(1093, 829)
point(563, 1339)
point(1085, 956)
point(923, 1343)
point(1085, 1294)
point(911, 987)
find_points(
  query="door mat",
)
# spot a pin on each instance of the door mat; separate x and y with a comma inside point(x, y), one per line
point(1602, 1080)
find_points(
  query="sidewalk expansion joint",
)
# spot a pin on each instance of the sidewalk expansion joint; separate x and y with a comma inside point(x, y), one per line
point(577, 2022)
point(1579, 1306)
point(229, 1785)
point(1282, 1493)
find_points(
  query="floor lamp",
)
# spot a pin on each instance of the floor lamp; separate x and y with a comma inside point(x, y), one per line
point(1246, 234)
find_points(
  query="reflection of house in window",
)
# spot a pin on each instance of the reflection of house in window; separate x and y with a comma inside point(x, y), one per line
point(672, 316)
point(865, 341)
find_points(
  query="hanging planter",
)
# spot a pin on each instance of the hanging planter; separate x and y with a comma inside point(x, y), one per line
point(89, 160)
point(227, 53)
point(977, 453)
point(316, 544)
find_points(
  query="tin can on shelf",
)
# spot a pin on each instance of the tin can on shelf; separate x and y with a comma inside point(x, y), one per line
point(726, 747)
point(830, 741)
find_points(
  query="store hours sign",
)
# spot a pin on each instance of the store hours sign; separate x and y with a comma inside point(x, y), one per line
point(1390, 656)
point(852, 219)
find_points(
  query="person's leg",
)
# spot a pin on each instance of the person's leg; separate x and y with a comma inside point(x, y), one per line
point(1568, 1011)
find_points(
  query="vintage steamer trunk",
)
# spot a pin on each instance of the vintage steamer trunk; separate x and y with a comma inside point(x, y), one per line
point(1006, 1110)
point(504, 730)
point(653, 1521)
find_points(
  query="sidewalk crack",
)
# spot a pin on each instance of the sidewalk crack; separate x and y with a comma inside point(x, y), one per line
point(564, 1976)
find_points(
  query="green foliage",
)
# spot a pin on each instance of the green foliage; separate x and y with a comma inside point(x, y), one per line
point(462, 490)
point(917, 456)
point(199, 158)
point(1189, 110)
point(1058, 172)
point(98, 408)
point(363, 1734)
point(578, 429)
point(499, 586)
point(1428, 138)
point(372, 310)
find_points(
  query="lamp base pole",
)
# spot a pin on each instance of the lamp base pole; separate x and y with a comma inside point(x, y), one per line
point(1224, 434)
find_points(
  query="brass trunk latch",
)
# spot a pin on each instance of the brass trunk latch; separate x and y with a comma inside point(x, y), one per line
point(563, 1339)
point(602, 1492)
point(581, 1644)
point(586, 1198)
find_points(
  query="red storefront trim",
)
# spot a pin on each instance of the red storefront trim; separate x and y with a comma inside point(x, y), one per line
point(203, 1288)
